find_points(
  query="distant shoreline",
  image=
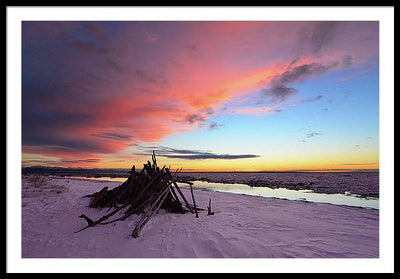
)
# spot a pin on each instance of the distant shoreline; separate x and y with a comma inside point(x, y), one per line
point(125, 172)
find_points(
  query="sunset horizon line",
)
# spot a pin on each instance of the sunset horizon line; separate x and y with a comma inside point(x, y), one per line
point(214, 171)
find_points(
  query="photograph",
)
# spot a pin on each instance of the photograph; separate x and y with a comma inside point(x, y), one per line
point(200, 139)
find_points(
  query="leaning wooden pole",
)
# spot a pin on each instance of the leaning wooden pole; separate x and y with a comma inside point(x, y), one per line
point(194, 202)
point(179, 190)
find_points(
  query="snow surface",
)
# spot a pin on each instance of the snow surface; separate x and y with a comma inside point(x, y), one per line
point(242, 227)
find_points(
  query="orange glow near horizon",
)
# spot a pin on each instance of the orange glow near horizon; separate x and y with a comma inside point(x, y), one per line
point(241, 165)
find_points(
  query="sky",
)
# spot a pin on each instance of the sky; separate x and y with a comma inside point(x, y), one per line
point(205, 95)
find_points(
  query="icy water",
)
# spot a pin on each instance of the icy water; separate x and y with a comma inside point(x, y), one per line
point(365, 184)
point(282, 193)
point(103, 178)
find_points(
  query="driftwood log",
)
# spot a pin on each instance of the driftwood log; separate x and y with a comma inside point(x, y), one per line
point(143, 193)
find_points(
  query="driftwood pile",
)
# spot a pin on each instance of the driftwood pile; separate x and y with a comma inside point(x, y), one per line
point(144, 193)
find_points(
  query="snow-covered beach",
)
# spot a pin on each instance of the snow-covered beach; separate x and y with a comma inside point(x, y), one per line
point(242, 227)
